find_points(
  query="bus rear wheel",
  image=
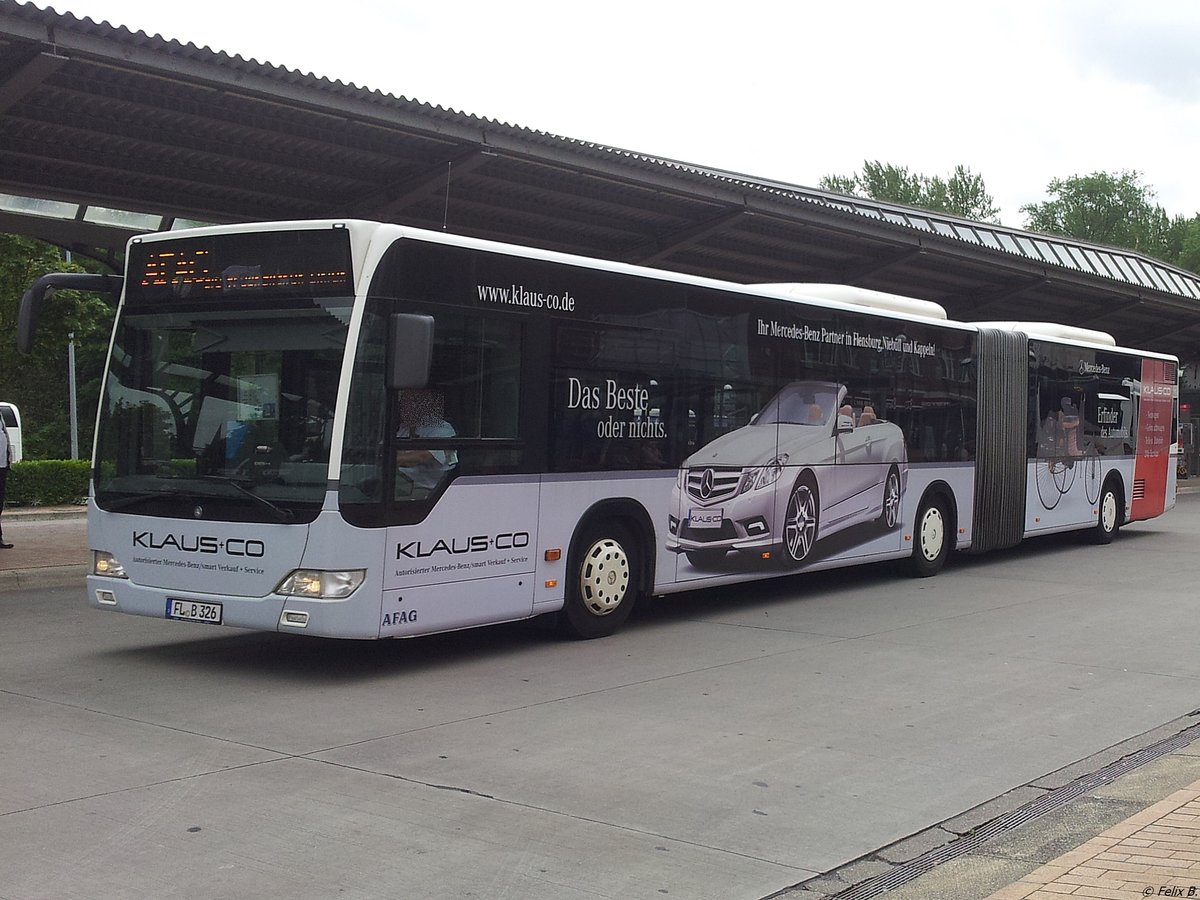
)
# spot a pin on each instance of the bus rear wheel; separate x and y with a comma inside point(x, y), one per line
point(931, 539)
point(1108, 518)
point(603, 575)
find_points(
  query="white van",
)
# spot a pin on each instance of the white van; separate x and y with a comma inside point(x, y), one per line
point(12, 422)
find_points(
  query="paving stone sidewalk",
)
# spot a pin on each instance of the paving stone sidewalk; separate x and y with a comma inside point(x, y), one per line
point(49, 549)
point(1155, 853)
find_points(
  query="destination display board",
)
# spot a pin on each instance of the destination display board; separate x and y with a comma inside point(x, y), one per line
point(279, 265)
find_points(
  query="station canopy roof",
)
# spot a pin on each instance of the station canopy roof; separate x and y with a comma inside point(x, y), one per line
point(105, 133)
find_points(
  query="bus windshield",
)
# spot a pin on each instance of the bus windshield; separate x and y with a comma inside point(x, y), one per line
point(221, 414)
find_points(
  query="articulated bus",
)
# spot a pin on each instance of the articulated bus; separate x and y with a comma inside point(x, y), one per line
point(362, 430)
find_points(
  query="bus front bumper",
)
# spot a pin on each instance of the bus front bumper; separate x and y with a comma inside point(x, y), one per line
point(274, 612)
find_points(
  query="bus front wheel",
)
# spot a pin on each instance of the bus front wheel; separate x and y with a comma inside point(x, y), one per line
point(603, 582)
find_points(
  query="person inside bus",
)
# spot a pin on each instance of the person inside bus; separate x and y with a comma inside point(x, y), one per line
point(420, 417)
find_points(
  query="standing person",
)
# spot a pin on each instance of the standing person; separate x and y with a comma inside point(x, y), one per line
point(6, 453)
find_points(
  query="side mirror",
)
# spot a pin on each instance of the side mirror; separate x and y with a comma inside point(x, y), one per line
point(410, 350)
point(31, 300)
point(844, 424)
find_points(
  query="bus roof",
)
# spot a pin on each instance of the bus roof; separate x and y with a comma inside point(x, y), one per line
point(371, 238)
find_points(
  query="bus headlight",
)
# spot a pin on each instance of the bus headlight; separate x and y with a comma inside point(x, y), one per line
point(104, 563)
point(318, 584)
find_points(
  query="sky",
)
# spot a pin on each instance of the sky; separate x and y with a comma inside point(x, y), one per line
point(1020, 92)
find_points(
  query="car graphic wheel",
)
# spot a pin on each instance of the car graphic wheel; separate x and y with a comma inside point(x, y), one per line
point(889, 516)
point(603, 585)
point(932, 540)
point(800, 522)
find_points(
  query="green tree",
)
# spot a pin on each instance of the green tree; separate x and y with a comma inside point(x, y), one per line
point(1183, 243)
point(1114, 209)
point(963, 193)
point(38, 382)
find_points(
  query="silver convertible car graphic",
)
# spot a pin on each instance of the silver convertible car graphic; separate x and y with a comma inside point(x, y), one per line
point(807, 466)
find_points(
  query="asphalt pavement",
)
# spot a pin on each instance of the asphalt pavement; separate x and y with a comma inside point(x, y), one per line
point(1124, 822)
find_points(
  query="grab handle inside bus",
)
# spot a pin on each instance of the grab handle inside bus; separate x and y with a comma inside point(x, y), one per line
point(411, 350)
point(31, 300)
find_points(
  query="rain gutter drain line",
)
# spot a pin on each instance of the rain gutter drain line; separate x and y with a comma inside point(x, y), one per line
point(1011, 820)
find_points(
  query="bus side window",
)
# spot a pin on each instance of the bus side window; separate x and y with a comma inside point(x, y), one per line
point(476, 368)
point(421, 469)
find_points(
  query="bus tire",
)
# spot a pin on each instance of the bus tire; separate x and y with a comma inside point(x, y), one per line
point(604, 581)
point(1108, 518)
point(931, 538)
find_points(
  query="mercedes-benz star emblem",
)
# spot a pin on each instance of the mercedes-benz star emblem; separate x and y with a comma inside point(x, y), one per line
point(706, 484)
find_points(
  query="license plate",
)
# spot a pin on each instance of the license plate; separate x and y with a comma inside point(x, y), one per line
point(194, 611)
point(706, 518)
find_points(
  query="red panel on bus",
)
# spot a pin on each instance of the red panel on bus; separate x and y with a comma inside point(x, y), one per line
point(1154, 438)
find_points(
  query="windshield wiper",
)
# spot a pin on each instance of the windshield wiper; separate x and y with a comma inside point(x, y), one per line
point(127, 502)
point(285, 515)
point(282, 514)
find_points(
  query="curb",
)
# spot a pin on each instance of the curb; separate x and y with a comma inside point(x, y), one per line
point(41, 514)
point(43, 577)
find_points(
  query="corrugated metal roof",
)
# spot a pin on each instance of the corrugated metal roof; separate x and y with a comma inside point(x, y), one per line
point(96, 115)
point(1107, 262)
